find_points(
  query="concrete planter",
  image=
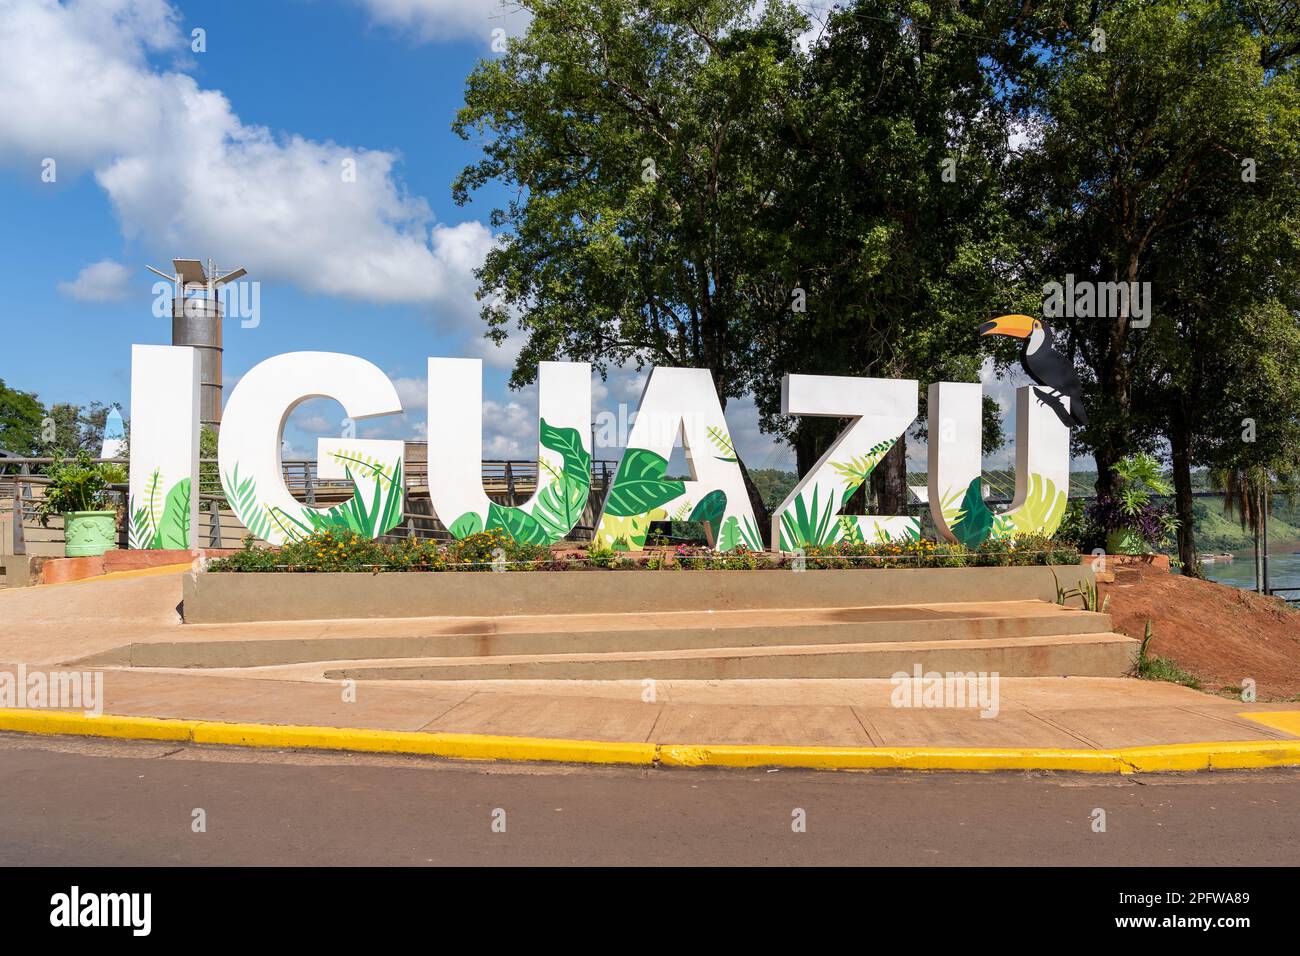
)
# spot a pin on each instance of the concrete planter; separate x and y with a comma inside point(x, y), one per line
point(88, 534)
point(227, 597)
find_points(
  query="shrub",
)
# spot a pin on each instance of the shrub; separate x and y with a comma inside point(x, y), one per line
point(599, 556)
point(77, 485)
point(345, 551)
point(694, 558)
point(1133, 508)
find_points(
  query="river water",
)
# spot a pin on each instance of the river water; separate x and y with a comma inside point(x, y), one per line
point(1283, 571)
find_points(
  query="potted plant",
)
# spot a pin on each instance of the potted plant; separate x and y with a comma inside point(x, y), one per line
point(78, 490)
point(1131, 521)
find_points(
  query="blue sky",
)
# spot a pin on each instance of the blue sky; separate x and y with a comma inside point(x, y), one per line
point(234, 153)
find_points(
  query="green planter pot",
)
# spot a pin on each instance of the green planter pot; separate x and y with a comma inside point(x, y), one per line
point(87, 534)
point(1125, 541)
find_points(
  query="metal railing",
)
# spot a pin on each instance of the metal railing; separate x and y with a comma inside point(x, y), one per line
point(508, 481)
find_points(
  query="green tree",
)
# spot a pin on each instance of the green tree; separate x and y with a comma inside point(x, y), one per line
point(76, 428)
point(1140, 115)
point(21, 414)
point(893, 222)
point(639, 140)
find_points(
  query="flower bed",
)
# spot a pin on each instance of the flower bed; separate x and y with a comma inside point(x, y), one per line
point(329, 551)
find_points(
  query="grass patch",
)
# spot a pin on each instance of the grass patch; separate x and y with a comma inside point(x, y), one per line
point(1161, 668)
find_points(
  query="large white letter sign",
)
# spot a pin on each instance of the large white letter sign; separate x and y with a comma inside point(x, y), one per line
point(456, 452)
point(164, 501)
point(253, 427)
point(1042, 465)
point(881, 410)
point(679, 400)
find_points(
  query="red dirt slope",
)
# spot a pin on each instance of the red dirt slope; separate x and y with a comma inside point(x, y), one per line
point(1220, 634)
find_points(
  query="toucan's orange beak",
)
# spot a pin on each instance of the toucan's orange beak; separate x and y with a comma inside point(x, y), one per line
point(1018, 326)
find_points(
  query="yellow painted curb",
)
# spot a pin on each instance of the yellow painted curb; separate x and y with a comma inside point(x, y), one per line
point(889, 758)
point(79, 724)
point(459, 746)
point(1232, 755)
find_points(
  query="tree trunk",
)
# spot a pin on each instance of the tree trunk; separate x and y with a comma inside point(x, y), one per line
point(1180, 441)
point(1106, 457)
point(1114, 380)
point(1252, 495)
point(812, 437)
point(889, 480)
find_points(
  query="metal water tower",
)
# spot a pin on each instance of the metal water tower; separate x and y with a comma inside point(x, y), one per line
point(196, 322)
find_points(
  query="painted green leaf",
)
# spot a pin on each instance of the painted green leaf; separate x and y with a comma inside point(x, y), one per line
point(154, 502)
point(517, 523)
point(858, 468)
point(752, 537)
point(640, 486)
point(710, 510)
point(627, 533)
point(559, 505)
point(567, 441)
point(721, 440)
point(140, 534)
point(729, 535)
point(850, 530)
point(1042, 510)
point(806, 523)
point(174, 528)
point(467, 524)
point(976, 520)
point(241, 494)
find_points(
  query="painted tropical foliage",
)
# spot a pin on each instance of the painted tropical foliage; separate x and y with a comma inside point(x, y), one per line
point(374, 508)
point(558, 505)
point(162, 518)
point(972, 522)
point(812, 519)
point(641, 494)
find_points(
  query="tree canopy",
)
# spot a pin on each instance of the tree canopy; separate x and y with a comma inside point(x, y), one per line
point(703, 183)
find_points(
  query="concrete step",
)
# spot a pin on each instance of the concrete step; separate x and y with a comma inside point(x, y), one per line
point(607, 633)
point(1102, 654)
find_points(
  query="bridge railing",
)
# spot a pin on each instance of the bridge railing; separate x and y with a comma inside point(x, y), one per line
point(22, 483)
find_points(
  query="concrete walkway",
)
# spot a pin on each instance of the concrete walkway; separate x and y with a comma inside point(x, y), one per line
point(44, 627)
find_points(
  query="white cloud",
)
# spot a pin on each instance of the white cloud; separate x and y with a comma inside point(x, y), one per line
point(187, 176)
point(104, 281)
point(413, 392)
point(435, 20)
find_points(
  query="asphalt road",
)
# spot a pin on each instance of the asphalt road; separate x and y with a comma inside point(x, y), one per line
point(69, 802)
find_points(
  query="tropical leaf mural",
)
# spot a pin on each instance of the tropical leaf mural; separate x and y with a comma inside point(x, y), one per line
point(174, 528)
point(559, 504)
point(734, 534)
point(858, 468)
point(162, 520)
point(973, 521)
point(242, 497)
point(376, 505)
point(807, 523)
point(850, 530)
point(467, 524)
point(722, 441)
point(627, 533)
point(710, 511)
point(1041, 512)
point(640, 486)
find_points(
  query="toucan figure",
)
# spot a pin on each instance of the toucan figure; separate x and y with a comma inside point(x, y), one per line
point(1044, 364)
